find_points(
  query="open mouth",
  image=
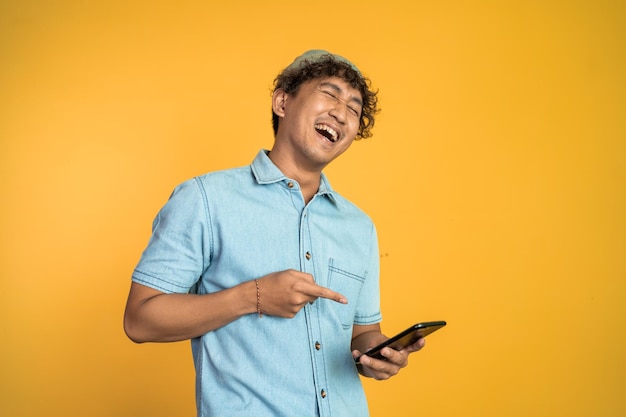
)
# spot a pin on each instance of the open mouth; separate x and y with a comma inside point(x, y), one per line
point(327, 132)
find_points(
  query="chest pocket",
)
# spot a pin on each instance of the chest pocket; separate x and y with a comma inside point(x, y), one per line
point(348, 283)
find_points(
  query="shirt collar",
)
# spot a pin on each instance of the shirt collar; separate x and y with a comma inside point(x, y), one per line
point(266, 172)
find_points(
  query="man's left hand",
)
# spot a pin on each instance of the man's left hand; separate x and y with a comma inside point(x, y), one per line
point(386, 368)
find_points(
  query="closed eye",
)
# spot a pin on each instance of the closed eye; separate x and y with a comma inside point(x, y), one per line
point(330, 94)
point(355, 111)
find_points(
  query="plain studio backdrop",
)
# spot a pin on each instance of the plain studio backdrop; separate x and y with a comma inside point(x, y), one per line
point(496, 177)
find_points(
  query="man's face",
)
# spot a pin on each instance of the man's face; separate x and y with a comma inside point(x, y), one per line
point(320, 121)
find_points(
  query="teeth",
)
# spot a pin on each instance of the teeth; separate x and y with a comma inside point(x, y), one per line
point(325, 128)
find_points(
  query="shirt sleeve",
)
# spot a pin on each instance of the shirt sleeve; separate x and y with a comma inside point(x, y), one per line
point(179, 249)
point(368, 310)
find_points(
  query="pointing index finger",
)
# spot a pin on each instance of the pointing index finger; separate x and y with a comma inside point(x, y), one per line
point(323, 292)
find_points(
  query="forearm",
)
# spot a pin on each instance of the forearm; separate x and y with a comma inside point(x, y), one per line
point(366, 337)
point(152, 316)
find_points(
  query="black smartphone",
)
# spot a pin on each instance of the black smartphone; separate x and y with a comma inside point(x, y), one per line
point(405, 338)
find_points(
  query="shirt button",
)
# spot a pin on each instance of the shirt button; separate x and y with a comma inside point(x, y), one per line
point(318, 345)
point(290, 184)
point(307, 256)
point(323, 394)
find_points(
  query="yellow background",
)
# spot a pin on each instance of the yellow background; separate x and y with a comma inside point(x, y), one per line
point(496, 177)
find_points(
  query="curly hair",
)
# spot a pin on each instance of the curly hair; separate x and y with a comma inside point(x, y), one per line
point(290, 81)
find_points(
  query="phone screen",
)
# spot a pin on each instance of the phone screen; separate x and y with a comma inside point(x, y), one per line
point(405, 338)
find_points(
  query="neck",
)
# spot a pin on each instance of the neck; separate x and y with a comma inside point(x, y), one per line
point(308, 179)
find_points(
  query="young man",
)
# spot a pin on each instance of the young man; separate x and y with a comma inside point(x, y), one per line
point(270, 273)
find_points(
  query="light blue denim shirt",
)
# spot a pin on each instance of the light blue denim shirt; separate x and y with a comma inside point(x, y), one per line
point(231, 226)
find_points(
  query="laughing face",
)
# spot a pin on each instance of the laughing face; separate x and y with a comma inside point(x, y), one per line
point(318, 123)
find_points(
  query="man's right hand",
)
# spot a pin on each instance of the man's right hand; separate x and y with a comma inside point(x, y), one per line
point(284, 293)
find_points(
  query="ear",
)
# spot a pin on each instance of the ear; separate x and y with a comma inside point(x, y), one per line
point(279, 102)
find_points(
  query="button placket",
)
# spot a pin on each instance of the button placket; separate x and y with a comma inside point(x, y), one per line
point(312, 312)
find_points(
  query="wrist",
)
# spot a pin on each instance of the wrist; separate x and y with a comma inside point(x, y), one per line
point(257, 284)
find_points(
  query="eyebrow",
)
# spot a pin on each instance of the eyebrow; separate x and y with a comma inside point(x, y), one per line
point(340, 90)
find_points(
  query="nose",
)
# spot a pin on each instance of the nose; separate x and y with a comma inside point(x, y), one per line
point(339, 111)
